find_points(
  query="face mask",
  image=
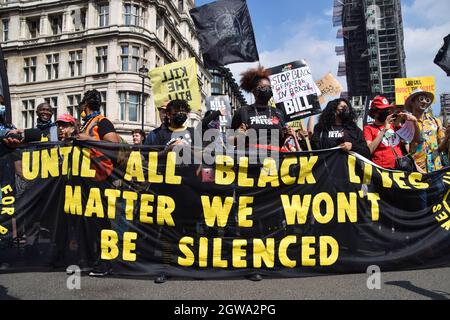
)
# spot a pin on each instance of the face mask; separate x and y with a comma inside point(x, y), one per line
point(263, 94)
point(345, 115)
point(382, 116)
point(179, 119)
point(83, 115)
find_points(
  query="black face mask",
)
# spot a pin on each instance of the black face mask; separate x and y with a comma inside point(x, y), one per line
point(382, 116)
point(263, 94)
point(345, 115)
point(179, 119)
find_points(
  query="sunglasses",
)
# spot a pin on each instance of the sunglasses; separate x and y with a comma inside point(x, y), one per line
point(424, 99)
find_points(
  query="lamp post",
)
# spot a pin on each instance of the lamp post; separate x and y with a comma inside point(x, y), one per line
point(143, 73)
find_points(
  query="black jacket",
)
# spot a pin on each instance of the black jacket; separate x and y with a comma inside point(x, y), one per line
point(320, 140)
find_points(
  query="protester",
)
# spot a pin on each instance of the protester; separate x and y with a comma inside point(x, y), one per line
point(67, 127)
point(176, 133)
point(150, 140)
point(138, 136)
point(433, 140)
point(337, 128)
point(384, 143)
point(9, 135)
point(260, 116)
point(96, 127)
point(211, 121)
point(44, 123)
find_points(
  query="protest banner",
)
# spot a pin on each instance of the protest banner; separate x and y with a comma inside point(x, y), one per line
point(405, 86)
point(312, 212)
point(177, 80)
point(329, 86)
point(216, 103)
point(295, 91)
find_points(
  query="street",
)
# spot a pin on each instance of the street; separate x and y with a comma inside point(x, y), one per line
point(411, 285)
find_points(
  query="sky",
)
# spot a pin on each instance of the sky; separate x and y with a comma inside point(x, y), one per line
point(288, 30)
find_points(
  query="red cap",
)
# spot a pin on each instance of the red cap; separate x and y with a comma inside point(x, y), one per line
point(380, 103)
point(67, 118)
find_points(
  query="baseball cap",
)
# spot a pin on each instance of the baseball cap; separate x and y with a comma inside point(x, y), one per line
point(380, 103)
point(164, 105)
point(67, 118)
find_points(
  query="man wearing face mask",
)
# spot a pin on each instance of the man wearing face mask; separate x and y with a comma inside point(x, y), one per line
point(44, 123)
point(176, 133)
point(384, 144)
point(433, 137)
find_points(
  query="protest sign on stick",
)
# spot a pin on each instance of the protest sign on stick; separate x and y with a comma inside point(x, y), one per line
point(405, 86)
point(177, 80)
point(295, 91)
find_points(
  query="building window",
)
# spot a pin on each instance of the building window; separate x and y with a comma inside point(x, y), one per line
point(76, 63)
point(159, 61)
point(103, 13)
point(125, 57)
point(102, 59)
point(5, 25)
point(79, 19)
point(56, 24)
point(30, 69)
point(132, 14)
point(159, 26)
point(28, 113)
point(53, 103)
point(133, 57)
point(33, 27)
point(103, 105)
point(72, 105)
point(52, 66)
point(180, 5)
point(129, 106)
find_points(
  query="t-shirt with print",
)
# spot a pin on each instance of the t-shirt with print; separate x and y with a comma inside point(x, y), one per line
point(258, 118)
point(426, 153)
point(167, 136)
point(384, 155)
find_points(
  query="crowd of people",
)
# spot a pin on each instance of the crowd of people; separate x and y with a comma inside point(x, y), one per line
point(397, 132)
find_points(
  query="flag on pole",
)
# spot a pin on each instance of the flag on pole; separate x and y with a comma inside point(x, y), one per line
point(443, 57)
point(225, 33)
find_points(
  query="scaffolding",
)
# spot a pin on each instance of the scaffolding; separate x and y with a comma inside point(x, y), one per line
point(374, 55)
point(445, 108)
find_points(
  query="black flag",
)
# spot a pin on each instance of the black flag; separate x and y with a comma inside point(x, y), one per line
point(4, 87)
point(443, 57)
point(225, 33)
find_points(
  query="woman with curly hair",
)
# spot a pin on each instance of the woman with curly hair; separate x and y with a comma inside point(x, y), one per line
point(260, 116)
point(337, 127)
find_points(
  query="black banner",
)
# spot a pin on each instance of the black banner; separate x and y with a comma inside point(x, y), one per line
point(225, 33)
point(144, 213)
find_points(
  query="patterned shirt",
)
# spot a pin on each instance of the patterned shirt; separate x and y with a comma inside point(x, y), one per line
point(426, 153)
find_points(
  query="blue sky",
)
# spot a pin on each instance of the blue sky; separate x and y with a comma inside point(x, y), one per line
point(288, 30)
